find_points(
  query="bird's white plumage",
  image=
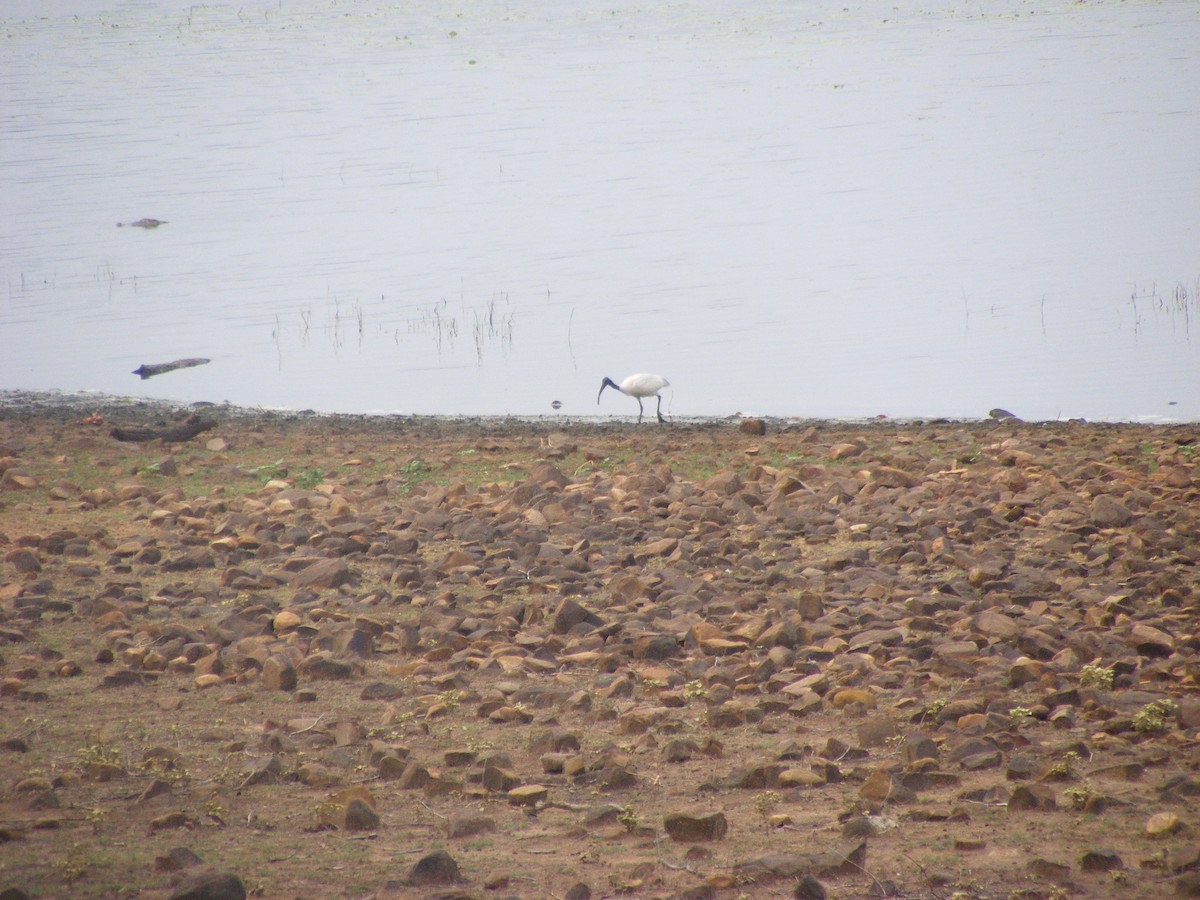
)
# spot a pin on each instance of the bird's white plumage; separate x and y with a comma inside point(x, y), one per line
point(643, 385)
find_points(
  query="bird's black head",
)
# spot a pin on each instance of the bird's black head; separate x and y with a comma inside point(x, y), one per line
point(607, 382)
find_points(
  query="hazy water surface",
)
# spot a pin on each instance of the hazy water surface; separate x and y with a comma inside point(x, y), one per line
point(788, 208)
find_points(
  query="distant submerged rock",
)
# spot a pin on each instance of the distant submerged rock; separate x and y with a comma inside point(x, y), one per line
point(142, 223)
point(149, 370)
point(1003, 415)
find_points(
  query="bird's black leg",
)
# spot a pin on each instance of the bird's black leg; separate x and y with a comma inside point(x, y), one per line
point(660, 418)
point(639, 400)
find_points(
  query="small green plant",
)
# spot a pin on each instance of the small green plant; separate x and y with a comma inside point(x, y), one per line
point(629, 818)
point(214, 810)
point(695, 690)
point(895, 743)
point(934, 708)
point(413, 471)
point(166, 768)
point(326, 810)
point(1152, 718)
point(1020, 715)
point(1065, 767)
point(98, 754)
point(765, 802)
point(270, 471)
point(309, 479)
point(74, 867)
point(1096, 677)
point(95, 817)
point(450, 698)
point(1079, 796)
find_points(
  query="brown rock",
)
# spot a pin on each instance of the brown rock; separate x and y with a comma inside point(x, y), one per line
point(323, 575)
point(1110, 513)
point(848, 696)
point(358, 815)
point(1100, 861)
point(1163, 824)
point(890, 476)
point(23, 561)
point(322, 665)
point(1151, 641)
point(156, 788)
point(801, 778)
point(1032, 798)
point(438, 867)
point(176, 859)
point(846, 450)
point(210, 885)
point(876, 732)
point(877, 787)
point(570, 614)
point(316, 775)
point(693, 828)
point(278, 673)
point(170, 820)
point(850, 858)
point(414, 776)
point(462, 825)
point(1044, 868)
point(528, 795)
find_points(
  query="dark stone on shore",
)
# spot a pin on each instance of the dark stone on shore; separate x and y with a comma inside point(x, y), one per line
point(359, 816)
point(177, 858)
point(808, 888)
point(692, 828)
point(438, 867)
point(210, 885)
point(1100, 861)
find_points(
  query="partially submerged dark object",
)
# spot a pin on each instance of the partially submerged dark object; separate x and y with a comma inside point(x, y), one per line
point(1003, 415)
point(149, 371)
point(175, 434)
point(142, 223)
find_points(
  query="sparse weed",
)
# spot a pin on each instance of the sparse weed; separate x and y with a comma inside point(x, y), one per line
point(1020, 715)
point(98, 754)
point(95, 817)
point(765, 802)
point(934, 709)
point(1096, 677)
point(166, 768)
point(1152, 718)
point(1079, 796)
point(695, 690)
point(309, 479)
point(214, 810)
point(1065, 767)
point(75, 866)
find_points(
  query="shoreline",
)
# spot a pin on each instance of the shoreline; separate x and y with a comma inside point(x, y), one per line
point(54, 404)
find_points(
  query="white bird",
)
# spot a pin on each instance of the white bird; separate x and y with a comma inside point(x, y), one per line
point(638, 386)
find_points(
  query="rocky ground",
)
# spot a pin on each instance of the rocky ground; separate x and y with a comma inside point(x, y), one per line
point(302, 656)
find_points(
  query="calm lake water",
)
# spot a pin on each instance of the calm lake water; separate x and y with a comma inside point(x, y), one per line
point(787, 208)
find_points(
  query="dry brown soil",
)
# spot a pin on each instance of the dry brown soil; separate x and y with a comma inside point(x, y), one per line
point(935, 659)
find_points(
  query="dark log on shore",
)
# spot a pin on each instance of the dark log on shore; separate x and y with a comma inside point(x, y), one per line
point(193, 426)
point(152, 369)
